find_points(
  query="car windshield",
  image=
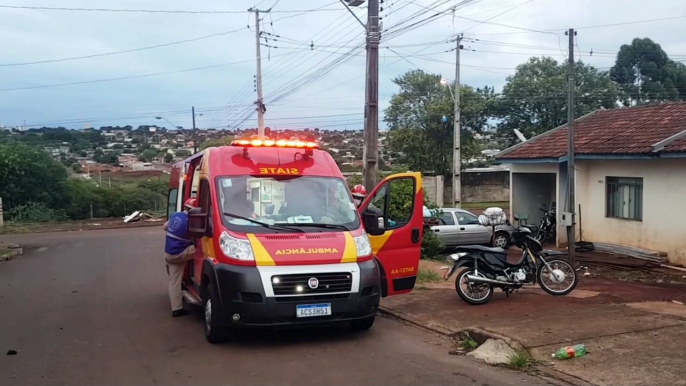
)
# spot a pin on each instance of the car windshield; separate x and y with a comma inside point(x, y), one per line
point(277, 204)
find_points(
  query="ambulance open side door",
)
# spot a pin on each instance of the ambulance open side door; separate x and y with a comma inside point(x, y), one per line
point(398, 203)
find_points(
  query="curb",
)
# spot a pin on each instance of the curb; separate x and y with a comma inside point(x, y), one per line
point(435, 328)
point(13, 253)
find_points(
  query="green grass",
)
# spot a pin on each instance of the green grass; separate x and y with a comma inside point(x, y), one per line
point(484, 205)
point(466, 341)
point(427, 276)
point(520, 360)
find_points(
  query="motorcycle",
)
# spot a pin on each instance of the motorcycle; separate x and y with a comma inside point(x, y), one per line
point(546, 230)
point(487, 268)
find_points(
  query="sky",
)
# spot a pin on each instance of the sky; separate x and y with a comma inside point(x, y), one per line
point(315, 78)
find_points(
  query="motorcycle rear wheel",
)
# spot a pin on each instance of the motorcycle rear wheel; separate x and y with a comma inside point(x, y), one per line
point(468, 296)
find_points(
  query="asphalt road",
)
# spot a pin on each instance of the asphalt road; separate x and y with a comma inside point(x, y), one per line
point(91, 308)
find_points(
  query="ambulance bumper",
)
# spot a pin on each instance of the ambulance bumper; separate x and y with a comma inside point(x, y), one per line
point(245, 304)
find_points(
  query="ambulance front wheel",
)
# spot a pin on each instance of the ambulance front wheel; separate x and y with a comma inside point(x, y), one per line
point(363, 325)
point(214, 331)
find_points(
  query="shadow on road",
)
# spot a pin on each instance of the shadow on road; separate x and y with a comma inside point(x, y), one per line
point(271, 337)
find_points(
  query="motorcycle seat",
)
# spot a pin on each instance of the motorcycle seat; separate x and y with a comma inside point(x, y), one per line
point(480, 248)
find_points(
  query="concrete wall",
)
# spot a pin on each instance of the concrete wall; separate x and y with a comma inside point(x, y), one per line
point(478, 187)
point(486, 186)
point(433, 190)
point(664, 204)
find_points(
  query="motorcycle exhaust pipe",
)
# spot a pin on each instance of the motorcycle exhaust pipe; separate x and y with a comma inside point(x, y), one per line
point(479, 279)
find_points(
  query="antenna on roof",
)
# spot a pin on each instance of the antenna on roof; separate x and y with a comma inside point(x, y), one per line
point(520, 135)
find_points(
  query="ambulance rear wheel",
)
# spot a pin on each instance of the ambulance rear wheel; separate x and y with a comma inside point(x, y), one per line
point(363, 325)
point(214, 331)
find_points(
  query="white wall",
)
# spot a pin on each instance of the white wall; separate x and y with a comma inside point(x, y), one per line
point(664, 205)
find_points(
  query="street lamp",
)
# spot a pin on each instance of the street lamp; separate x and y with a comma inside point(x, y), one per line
point(180, 128)
point(173, 125)
point(445, 83)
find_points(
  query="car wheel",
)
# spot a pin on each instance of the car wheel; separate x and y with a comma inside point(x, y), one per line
point(214, 331)
point(363, 325)
point(502, 240)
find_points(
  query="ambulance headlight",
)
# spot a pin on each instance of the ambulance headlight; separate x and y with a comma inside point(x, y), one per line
point(236, 248)
point(362, 245)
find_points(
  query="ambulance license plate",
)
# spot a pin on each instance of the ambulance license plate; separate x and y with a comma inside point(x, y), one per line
point(310, 310)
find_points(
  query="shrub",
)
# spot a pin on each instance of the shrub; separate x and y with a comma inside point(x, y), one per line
point(35, 212)
point(432, 247)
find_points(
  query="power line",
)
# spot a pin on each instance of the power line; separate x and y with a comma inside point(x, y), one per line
point(124, 51)
point(126, 77)
point(290, 62)
point(501, 13)
point(548, 30)
point(168, 11)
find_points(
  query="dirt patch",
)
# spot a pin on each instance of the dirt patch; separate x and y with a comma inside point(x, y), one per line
point(642, 358)
point(638, 275)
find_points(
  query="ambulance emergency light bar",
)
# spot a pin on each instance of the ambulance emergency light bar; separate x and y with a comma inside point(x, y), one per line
point(281, 143)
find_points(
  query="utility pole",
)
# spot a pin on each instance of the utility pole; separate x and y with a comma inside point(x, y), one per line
point(457, 161)
point(2, 221)
point(195, 135)
point(260, 101)
point(371, 110)
point(571, 230)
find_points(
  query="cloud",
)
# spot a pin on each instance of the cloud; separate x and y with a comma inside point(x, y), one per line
point(31, 35)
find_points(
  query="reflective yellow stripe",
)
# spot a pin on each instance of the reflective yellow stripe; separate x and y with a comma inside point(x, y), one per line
point(350, 251)
point(379, 241)
point(262, 257)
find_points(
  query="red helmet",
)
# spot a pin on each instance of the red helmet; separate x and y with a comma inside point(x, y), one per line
point(359, 191)
point(191, 203)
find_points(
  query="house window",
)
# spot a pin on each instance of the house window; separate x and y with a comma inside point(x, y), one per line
point(624, 198)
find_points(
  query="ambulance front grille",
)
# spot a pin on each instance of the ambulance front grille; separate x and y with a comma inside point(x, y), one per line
point(299, 284)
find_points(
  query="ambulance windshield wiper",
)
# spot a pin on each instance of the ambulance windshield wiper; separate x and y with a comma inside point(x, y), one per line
point(263, 224)
point(321, 225)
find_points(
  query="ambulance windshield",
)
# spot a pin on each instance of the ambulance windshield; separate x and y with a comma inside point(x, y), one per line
point(313, 202)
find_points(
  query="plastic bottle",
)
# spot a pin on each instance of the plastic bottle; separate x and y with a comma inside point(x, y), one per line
point(578, 350)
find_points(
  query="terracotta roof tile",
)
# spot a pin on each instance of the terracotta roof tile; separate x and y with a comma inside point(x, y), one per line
point(618, 131)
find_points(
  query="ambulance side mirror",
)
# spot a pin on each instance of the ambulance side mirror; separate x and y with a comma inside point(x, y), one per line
point(371, 223)
point(197, 223)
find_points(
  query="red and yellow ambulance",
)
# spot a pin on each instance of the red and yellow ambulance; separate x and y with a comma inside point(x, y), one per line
point(280, 242)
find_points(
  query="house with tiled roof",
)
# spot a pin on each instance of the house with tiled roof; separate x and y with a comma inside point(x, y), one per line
point(630, 177)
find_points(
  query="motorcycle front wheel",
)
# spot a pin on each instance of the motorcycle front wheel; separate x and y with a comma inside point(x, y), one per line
point(472, 293)
point(561, 281)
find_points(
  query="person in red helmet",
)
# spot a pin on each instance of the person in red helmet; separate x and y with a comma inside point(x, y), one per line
point(359, 193)
point(178, 249)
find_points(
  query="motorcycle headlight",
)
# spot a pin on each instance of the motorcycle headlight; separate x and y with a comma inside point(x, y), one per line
point(235, 248)
point(362, 245)
point(457, 256)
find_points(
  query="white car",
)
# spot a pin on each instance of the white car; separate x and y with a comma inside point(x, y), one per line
point(461, 227)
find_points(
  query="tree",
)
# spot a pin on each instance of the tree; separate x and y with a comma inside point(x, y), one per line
point(168, 158)
point(183, 153)
point(29, 175)
point(420, 119)
point(646, 74)
point(534, 99)
point(148, 155)
point(223, 141)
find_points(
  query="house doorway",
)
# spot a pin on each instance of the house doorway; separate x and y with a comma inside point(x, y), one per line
point(530, 193)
